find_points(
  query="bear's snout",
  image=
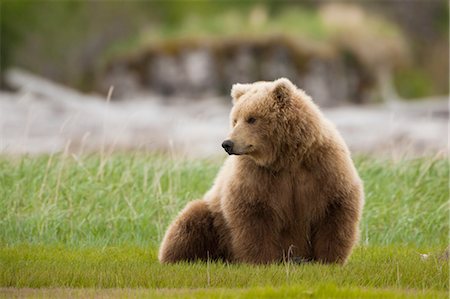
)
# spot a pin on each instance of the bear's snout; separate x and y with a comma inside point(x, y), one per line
point(228, 146)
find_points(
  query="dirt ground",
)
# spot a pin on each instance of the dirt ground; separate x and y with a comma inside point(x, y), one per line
point(43, 117)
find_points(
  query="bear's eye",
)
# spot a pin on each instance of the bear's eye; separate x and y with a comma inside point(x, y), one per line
point(251, 120)
point(234, 122)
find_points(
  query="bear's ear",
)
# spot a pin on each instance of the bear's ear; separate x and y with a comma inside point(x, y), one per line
point(282, 90)
point(238, 90)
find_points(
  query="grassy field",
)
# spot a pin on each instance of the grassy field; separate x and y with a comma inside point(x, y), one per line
point(95, 223)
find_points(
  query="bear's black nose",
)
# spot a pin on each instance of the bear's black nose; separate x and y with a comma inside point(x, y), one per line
point(228, 146)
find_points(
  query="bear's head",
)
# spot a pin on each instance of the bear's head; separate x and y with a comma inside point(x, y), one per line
point(271, 122)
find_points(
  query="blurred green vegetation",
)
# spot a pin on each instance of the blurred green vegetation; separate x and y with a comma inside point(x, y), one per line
point(68, 41)
point(14, 17)
point(298, 20)
point(231, 23)
point(413, 83)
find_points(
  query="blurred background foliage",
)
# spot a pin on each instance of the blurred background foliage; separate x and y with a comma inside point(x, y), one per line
point(74, 42)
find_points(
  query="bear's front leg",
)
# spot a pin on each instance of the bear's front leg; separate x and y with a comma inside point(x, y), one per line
point(255, 242)
point(335, 235)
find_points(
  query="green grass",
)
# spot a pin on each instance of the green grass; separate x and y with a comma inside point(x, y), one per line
point(130, 200)
point(297, 291)
point(132, 267)
point(96, 222)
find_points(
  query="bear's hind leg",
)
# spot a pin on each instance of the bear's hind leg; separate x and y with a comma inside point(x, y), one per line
point(192, 236)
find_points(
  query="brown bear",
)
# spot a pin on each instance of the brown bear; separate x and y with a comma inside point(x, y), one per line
point(288, 192)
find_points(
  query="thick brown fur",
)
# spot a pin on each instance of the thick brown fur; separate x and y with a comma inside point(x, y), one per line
point(290, 191)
